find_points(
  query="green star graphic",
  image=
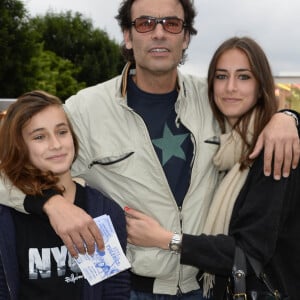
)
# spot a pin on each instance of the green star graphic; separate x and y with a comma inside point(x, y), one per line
point(170, 145)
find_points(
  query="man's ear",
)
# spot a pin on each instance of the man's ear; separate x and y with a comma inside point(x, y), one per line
point(186, 41)
point(127, 39)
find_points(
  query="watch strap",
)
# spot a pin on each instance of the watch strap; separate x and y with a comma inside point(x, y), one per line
point(176, 243)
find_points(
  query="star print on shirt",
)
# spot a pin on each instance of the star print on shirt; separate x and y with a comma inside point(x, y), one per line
point(170, 145)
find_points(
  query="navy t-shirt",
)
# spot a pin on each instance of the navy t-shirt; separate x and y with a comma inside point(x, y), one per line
point(171, 140)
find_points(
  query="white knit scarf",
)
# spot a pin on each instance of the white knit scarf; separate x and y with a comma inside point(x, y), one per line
point(219, 215)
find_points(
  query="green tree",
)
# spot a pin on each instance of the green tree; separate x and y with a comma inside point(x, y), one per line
point(55, 75)
point(73, 37)
point(17, 47)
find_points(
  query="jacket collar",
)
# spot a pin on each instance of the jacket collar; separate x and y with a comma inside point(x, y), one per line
point(125, 74)
point(130, 70)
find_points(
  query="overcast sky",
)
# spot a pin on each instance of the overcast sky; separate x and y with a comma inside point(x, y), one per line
point(275, 24)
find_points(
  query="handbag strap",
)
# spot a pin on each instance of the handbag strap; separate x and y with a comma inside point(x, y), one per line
point(239, 272)
point(257, 268)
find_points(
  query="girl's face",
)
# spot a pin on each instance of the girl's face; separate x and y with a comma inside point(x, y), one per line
point(49, 141)
point(235, 88)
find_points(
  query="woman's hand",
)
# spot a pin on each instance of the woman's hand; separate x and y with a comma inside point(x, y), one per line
point(145, 231)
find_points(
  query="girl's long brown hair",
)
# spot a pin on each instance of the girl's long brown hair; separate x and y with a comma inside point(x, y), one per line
point(266, 105)
point(15, 164)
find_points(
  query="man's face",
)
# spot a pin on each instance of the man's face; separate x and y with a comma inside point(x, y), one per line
point(157, 51)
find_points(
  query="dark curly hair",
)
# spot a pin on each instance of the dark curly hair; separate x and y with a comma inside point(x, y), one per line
point(124, 19)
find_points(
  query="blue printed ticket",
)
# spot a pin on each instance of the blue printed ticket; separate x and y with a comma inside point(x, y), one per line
point(104, 264)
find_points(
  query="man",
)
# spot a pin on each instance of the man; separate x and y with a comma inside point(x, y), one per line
point(142, 142)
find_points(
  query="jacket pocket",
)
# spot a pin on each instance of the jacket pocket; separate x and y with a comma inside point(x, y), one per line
point(110, 160)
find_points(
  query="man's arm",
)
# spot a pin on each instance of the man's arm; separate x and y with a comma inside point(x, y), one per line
point(73, 225)
point(280, 140)
point(11, 196)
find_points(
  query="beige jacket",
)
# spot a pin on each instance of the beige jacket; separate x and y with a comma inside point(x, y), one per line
point(117, 157)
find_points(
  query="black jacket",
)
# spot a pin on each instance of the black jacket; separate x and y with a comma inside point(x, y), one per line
point(266, 224)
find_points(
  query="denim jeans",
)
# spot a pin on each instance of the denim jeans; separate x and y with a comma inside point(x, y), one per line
point(193, 295)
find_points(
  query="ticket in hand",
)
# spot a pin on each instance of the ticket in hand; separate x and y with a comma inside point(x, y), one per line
point(104, 264)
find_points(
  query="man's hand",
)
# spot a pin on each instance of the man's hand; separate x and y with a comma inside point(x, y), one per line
point(74, 226)
point(280, 141)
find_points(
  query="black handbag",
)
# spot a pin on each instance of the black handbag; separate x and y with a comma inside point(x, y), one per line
point(237, 290)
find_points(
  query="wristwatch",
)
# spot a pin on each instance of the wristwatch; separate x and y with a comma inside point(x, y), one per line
point(175, 243)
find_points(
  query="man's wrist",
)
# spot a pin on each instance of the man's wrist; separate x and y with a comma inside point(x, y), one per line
point(35, 203)
point(292, 114)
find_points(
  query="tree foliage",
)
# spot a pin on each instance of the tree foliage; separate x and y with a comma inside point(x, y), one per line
point(72, 37)
point(17, 47)
point(55, 75)
point(60, 53)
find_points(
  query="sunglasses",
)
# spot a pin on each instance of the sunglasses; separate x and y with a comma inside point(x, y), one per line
point(169, 24)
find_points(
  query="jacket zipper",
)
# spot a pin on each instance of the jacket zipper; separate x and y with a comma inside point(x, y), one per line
point(179, 292)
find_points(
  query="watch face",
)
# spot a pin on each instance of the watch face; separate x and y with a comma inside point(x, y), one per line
point(175, 244)
point(175, 247)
